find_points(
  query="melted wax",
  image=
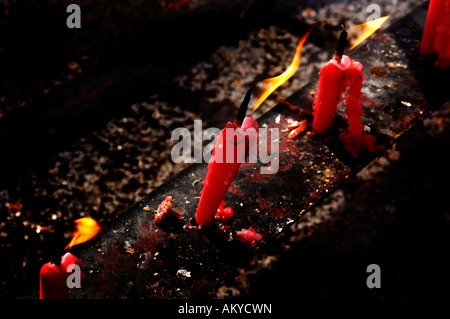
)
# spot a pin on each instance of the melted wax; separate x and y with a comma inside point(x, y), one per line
point(165, 209)
point(224, 214)
point(249, 236)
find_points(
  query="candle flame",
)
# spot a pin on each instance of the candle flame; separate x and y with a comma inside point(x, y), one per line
point(365, 30)
point(271, 84)
point(86, 229)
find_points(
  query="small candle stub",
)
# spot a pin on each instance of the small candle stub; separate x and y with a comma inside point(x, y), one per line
point(54, 277)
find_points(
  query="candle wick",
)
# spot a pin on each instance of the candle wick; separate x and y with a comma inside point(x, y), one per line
point(244, 106)
point(339, 52)
point(56, 259)
point(56, 241)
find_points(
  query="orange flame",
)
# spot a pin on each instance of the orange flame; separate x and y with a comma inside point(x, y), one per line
point(365, 30)
point(271, 84)
point(86, 229)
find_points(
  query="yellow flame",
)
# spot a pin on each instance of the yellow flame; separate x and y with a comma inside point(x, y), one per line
point(365, 30)
point(86, 229)
point(271, 84)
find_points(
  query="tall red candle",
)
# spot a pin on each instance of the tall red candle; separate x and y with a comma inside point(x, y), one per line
point(222, 168)
point(330, 87)
point(436, 34)
point(53, 278)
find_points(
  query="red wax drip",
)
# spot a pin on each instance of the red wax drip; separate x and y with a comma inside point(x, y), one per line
point(436, 34)
point(224, 214)
point(53, 278)
point(222, 170)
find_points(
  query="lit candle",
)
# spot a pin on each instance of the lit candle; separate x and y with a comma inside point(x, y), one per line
point(232, 145)
point(330, 87)
point(436, 34)
point(222, 169)
point(54, 274)
point(53, 277)
point(335, 76)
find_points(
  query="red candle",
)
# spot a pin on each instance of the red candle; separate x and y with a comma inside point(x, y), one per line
point(436, 34)
point(329, 90)
point(53, 278)
point(354, 78)
point(330, 87)
point(335, 76)
point(355, 140)
point(222, 168)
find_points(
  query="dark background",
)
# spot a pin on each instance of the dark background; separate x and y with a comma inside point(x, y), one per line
point(85, 122)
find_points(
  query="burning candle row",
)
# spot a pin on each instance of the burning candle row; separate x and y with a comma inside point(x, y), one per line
point(335, 76)
point(338, 74)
